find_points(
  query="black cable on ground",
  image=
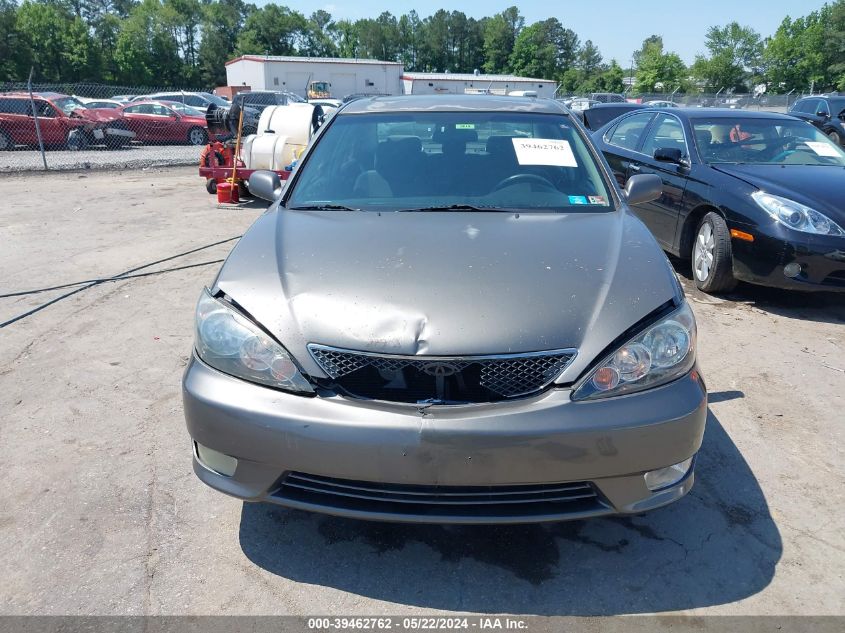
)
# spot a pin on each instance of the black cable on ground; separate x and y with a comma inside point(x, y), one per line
point(22, 293)
point(126, 274)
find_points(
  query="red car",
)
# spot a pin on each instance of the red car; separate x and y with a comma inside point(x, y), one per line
point(166, 122)
point(64, 122)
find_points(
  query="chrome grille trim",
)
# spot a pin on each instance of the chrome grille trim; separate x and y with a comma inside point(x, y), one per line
point(509, 375)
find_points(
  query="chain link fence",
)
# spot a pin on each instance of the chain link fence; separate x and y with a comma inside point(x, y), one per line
point(84, 126)
point(769, 102)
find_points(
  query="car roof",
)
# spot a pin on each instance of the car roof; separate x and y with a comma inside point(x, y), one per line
point(721, 113)
point(617, 105)
point(18, 94)
point(453, 103)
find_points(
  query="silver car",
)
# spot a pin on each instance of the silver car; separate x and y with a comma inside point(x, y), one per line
point(449, 314)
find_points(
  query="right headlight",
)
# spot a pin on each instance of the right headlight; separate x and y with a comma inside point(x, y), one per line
point(231, 343)
point(796, 215)
point(663, 352)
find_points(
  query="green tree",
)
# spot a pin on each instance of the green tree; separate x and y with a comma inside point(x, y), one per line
point(271, 30)
point(658, 70)
point(14, 50)
point(834, 38)
point(735, 57)
point(500, 33)
point(545, 50)
point(146, 51)
point(319, 40)
point(379, 38)
point(57, 42)
point(221, 23)
point(410, 35)
point(795, 57)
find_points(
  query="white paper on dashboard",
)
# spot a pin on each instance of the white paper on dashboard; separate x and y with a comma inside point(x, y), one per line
point(822, 149)
point(544, 151)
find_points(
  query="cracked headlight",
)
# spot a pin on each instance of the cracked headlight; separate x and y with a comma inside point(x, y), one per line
point(231, 343)
point(795, 215)
point(663, 352)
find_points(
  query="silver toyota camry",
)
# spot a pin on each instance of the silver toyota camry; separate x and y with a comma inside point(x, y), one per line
point(448, 314)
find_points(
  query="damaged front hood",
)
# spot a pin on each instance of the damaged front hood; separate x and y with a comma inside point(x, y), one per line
point(445, 284)
point(98, 115)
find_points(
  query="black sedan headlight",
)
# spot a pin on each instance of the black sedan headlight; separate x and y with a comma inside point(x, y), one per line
point(662, 353)
point(796, 215)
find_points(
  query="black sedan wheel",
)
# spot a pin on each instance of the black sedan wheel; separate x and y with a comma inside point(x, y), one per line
point(712, 262)
point(834, 136)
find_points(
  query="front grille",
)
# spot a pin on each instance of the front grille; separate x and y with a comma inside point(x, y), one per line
point(449, 501)
point(442, 380)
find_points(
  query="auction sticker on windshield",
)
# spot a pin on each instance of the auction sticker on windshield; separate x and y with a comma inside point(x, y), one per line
point(544, 151)
point(822, 149)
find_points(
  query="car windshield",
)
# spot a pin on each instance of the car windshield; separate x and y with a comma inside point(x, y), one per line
point(764, 141)
point(460, 160)
point(69, 104)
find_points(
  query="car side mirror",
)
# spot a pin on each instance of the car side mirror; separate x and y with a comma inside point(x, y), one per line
point(668, 155)
point(643, 188)
point(822, 114)
point(266, 185)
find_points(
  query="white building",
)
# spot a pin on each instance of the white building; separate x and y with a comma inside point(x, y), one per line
point(468, 83)
point(346, 76)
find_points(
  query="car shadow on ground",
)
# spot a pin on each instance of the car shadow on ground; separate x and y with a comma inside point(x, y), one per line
point(716, 546)
point(821, 307)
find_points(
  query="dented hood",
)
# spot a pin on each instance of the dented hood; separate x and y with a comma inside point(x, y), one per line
point(447, 283)
point(98, 115)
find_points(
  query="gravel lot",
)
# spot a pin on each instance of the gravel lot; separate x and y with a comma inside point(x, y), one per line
point(100, 512)
point(133, 157)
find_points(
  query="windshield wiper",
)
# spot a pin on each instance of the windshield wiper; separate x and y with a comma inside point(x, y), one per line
point(457, 207)
point(323, 207)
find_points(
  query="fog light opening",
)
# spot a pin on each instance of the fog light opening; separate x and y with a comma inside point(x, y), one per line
point(792, 270)
point(213, 460)
point(665, 477)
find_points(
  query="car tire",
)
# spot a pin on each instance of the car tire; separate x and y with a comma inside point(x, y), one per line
point(76, 140)
point(834, 136)
point(117, 142)
point(712, 260)
point(6, 143)
point(197, 136)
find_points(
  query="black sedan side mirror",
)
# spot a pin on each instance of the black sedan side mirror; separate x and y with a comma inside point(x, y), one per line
point(643, 188)
point(668, 155)
point(266, 185)
point(822, 114)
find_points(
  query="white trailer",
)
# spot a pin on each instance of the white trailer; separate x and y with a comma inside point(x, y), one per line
point(468, 83)
point(292, 74)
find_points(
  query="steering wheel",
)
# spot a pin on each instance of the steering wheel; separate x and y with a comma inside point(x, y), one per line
point(528, 178)
point(791, 147)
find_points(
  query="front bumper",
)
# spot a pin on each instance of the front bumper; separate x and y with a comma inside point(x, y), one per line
point(822, 259)
point(607, 444)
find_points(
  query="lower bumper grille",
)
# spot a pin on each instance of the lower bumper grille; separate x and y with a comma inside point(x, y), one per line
point(524, 500)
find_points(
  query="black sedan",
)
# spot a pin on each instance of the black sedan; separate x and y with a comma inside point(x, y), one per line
point(751, 196)
point(600, 114)
point(825, 112)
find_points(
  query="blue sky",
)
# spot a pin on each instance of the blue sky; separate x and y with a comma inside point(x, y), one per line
point(617, 27)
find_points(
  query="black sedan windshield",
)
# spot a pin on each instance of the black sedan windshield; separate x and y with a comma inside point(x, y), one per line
point(764, 141)
point(451, 161)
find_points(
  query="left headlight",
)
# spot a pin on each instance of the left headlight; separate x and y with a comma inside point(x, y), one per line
point(663, 352)
point(231, 343)
point(796, 215)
